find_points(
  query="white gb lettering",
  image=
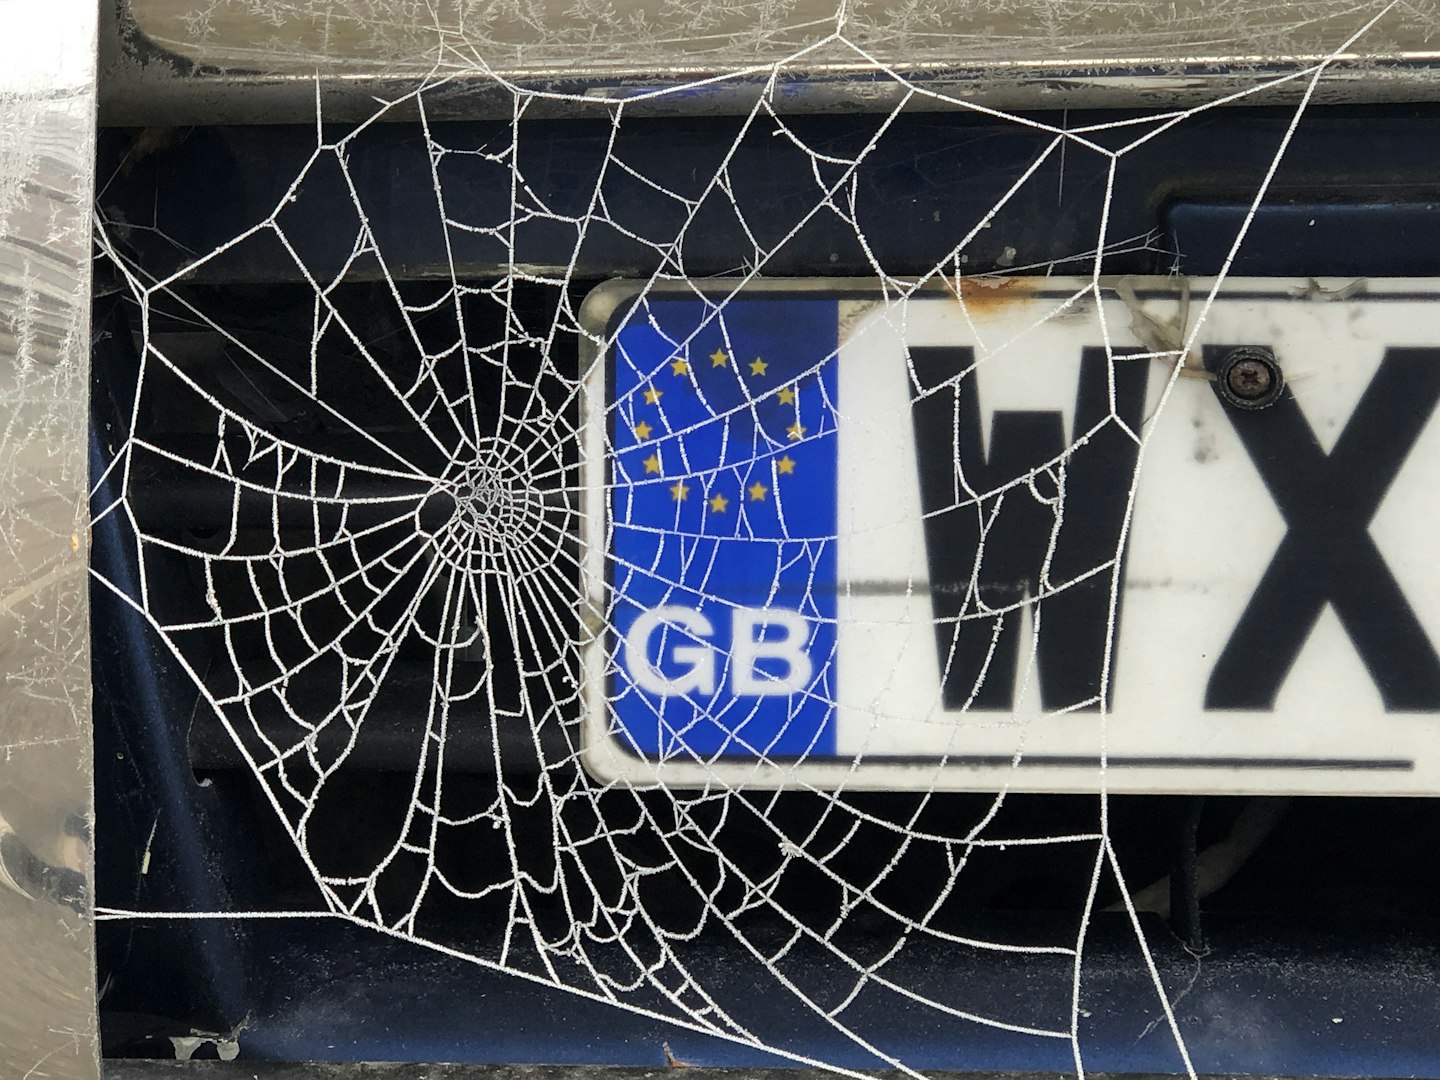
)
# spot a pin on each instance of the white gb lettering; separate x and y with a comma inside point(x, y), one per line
point(747, 649)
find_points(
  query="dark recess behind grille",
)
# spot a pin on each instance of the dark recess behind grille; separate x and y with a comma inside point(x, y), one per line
point(1338, 900)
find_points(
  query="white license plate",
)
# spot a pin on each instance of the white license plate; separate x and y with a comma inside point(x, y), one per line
point(969, 541)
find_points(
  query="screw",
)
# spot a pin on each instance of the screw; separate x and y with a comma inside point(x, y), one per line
point(1250, 378)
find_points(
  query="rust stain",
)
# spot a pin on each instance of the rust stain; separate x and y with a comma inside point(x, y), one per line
point(671, 1061)
point(986, 296)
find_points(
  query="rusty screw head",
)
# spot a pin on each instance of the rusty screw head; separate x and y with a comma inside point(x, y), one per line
point(1249, 378)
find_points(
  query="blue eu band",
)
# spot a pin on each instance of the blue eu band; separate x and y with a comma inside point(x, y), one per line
point(722, 560)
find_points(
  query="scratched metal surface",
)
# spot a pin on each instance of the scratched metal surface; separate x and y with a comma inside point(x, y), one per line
point(47, 129)
point(180, 62)
point(569, 37)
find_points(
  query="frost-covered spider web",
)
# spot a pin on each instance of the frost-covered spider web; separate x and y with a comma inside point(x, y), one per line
point(417, 500)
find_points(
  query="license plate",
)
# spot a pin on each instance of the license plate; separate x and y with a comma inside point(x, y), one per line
point(974, 539)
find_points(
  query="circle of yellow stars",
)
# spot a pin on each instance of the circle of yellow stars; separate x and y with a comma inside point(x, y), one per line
point(759, 491)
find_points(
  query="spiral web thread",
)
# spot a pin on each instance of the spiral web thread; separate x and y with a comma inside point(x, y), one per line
point(579, 915)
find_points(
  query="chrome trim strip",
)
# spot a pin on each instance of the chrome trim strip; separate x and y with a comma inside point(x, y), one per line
point(175, 62)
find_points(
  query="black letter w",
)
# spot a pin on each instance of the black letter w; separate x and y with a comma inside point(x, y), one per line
point(993, 521)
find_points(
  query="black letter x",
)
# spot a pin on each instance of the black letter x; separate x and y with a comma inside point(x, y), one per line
point(1327, 554)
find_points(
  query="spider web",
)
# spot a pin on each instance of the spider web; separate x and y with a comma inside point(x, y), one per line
point(444, 513)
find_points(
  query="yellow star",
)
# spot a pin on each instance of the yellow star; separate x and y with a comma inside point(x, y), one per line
point(652, 463)
point(652, 396)
point(758, 491)
point(786, 464)
point(718, 504)
point(796, 431)
point(642, 430)
point(679, 490)
point(786, 395)
point(758, 366)
point(719, 358)
point(680, 367)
